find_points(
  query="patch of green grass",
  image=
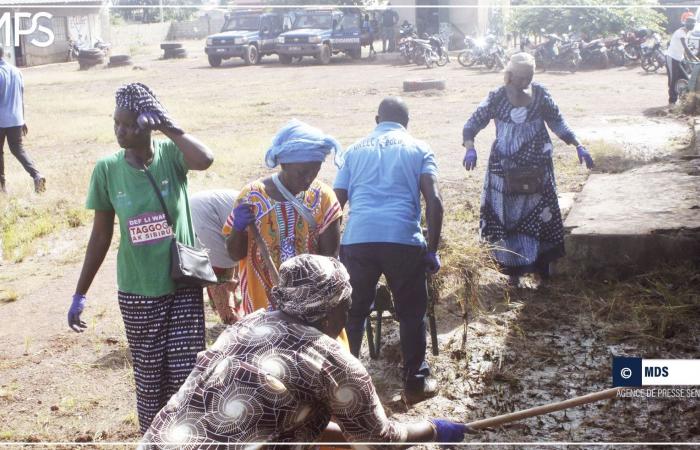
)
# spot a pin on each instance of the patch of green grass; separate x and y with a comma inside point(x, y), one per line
point(7, 435)
point(611, 158)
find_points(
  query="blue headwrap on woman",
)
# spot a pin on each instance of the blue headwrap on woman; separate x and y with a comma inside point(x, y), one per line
point(298, 142)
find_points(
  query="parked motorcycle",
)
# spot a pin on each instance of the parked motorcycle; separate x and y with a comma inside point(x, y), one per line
point(616, 51)
point(486, 51)
point(633, 43)
point(556, 52)
point(429, 51)
point(652, 55)
point(594, 54)
point(407, 36)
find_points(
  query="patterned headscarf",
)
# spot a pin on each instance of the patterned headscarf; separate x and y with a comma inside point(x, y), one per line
point(298, 142)
point(138, 98)
point(311, 286)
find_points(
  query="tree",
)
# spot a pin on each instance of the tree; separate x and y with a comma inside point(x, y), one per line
point(148, 11)
point(594, 21)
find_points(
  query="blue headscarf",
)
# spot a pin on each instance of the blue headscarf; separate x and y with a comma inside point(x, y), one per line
point(298, 142)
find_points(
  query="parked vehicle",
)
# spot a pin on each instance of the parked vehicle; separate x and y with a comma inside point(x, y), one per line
point(633, 43)
point(321, 34)
point(652, 56)
point(556, 53)
point(247, 34)
point(616, 51)
point(74, 49)
point(594, 54)
point(682, 86)
point(486, 51)
point(407, 36)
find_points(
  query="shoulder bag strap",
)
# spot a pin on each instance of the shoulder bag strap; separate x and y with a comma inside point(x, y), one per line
point(301, 208)
point(160, 197)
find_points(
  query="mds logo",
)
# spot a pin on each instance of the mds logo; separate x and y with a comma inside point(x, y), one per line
point(12, 33)
point(653, 372)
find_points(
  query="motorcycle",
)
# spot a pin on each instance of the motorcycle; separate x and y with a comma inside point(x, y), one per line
point(556, 52)
point(616, 51)
point(594, 54)
point(652, 55)
point(407, 36)
point(486, 51)
point(633, 43)
point(74, 48)
point(430, 51)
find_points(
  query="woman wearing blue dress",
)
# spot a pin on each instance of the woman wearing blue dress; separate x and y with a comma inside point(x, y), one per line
point(520, 213)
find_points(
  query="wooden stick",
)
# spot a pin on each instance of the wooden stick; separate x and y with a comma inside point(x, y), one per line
point(544, 409)
point(265, 253)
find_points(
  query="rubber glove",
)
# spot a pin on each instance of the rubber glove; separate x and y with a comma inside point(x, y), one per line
point(76, 308)
point(583, 155)
point(242, 216)
point(447, 431)
point(469, 161)
point(432, 262)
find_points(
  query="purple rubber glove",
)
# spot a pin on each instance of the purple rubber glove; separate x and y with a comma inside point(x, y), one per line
point(447, 431)
point(149, 120)
point(76, 308)
point(583, 155)
point(432, 262)
point(469, 161)
point(243, 216)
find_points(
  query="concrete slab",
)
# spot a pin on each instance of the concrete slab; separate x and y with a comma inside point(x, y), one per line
point(566, 201)
point(637, 219)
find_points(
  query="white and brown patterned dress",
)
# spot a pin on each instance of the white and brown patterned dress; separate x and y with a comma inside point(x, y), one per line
point(270, 379)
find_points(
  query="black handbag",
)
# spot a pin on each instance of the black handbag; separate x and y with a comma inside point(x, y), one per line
point(189, 266)
point(524, 180)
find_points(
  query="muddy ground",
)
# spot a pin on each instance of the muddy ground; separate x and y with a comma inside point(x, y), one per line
point(524, 348)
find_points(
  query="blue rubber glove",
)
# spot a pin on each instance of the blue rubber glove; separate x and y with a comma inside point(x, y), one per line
point(76, 308)
point(432, 262)
point(447, 431)
point(469, 161)
point(583, 155)
point(242, 216)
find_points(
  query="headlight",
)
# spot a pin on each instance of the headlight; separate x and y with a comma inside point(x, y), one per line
point(239, 41)
point(210, 41)
point(280, 40)
point(314, 39)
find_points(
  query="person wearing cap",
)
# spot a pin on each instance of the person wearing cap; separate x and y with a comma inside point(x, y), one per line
point(520, 216)
point(676, 53)
point(281, 377)
point(164, 322)
point(293, 211)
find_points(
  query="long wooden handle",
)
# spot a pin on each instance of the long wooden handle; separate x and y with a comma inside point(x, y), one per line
point(544, 409)
point(265, 253)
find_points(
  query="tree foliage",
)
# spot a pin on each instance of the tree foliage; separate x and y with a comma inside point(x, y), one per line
point(593, 21)
point(151, 13)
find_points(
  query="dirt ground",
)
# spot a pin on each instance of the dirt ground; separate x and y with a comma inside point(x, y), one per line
point(524, 348)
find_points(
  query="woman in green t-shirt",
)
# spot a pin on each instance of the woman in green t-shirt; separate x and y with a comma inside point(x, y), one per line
point(164, 323)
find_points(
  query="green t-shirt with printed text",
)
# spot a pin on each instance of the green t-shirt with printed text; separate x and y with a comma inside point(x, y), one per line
point(143, 260)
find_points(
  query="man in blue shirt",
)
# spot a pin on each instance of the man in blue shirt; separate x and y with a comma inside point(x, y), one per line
point(383, 176)
point(12, 124)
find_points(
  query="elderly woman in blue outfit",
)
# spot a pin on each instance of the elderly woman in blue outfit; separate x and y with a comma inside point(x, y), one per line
point(520, 213)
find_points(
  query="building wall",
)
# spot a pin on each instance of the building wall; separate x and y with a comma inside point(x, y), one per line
point(199, 28)
point(124, 37)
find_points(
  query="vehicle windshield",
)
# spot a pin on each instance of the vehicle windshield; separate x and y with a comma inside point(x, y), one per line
point(243, 23)
point(349, 21)
point(322, 21)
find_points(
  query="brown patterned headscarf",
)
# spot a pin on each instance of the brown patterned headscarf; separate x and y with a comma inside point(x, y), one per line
point(311, 286)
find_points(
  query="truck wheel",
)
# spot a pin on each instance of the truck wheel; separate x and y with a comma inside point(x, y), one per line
point(285, 59)
point(251, 55)
point(214, 61)
point(324, 57)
